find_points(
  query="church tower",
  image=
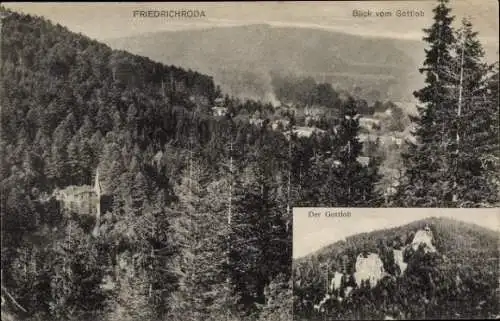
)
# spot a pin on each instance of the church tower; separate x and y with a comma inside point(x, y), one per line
point(97, 185)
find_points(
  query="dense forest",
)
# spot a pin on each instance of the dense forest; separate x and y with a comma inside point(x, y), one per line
point(197, 219)
point(458, 281)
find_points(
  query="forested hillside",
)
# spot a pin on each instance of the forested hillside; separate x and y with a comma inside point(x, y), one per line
point(131, 189)
point(194, 220)
point(458, 281)
point(245, 60)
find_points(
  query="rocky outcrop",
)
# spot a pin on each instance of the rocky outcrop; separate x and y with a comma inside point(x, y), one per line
point(398, 259)
point(336, 281)
point(370, 268)
point(348, 291)
point(423, 237)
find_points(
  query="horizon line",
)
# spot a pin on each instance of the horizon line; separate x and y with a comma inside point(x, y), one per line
point(393, 227)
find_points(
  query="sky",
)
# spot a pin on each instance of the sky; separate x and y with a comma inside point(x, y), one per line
point(103, 21)
point(311, 234)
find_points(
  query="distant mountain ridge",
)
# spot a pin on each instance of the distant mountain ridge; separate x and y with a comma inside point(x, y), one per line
point(243, 59)
point(448, 228)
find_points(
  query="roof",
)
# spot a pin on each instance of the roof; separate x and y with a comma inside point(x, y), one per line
point(307, 131)
point(363, 160)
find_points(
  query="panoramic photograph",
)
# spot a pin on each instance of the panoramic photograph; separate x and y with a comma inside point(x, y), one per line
point(396, 264)
point(152, 154)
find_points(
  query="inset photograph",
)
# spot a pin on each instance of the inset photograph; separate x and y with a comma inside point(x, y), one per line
point(395, 264)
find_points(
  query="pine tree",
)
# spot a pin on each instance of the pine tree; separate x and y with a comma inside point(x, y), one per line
point(427, 162)
point(193, 227)
point(453, 127)
point(349, 175)
point(217, 287)
point(75, 172)
point(315, 169)
point(346, 181)
point(57, 167)
point(76, 276)
point(259, 240)
point(111, 165)
point(279, 300)
point(57, 170)
point(490, 158)
point(246, 256)
point(219, 298)
point(475, 116)
point(131, 303)
point(87, 161)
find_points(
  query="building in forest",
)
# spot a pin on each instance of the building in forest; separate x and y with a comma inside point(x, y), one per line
point(363, 160)
point(84, 200)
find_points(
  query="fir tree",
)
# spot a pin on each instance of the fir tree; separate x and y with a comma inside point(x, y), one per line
point(251, 234)
point(352, 188)
point(344, 180)
point(443, 168)
point(194, 228)
point(427, 162)
point(474, 124)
